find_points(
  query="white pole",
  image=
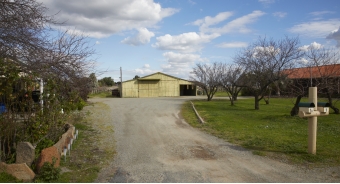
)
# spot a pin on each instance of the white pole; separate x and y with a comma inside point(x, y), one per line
point(65, 151)
point(41, 93)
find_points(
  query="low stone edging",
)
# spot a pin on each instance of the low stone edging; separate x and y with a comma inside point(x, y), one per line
point(21, 169)
point(199, 117)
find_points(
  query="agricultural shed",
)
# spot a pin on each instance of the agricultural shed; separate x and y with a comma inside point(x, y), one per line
point(157, 85)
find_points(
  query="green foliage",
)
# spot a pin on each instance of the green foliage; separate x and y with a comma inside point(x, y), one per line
point(48, 173)
point(136, 77)
point(7, 178)
point(269, 131)
point(106, 81)
point(81, 104)
point(11, 158)
point(45, 143)
point(93, 80)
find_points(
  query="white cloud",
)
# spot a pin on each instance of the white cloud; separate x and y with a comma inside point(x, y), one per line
point(232, 45)
point(186, 42)
point(319, 13)
point(236, 25)
point(318, 29)
point(193, 42)
point(280, 14)
point(97, 42)
point(103, 18)
point(208, 21)
point(265, 50)
point(335, 35)
point(182, 59)
point(180, 64)
point(145, 70)
point(304, 48)
point(313, 45)
point(192, 2)
point(267, 2)
point(302, 61)
point(143, 37)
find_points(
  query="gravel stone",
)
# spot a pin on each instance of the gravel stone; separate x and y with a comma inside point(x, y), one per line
point(155, 145)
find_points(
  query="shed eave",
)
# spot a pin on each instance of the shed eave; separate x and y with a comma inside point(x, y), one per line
point(141, 79)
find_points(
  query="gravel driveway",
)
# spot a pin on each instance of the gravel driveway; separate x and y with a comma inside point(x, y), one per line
point(154, 144)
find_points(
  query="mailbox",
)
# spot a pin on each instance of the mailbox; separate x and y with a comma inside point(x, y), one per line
point(306, 107)
point(323, 107)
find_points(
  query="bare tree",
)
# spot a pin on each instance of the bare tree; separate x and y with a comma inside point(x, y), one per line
point(263, 62)
point(325, 72)
point(296, 86)
point(24, 27)
point(28, 52)
point(207, 77)
point(231, 80)
point(66, 60)
point(321, 69)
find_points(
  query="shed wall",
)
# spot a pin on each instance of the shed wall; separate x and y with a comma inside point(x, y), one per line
point(156, 85)
point(130, 89)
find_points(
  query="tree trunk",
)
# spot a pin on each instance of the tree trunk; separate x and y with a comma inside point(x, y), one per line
point(235, 97)
point(335, 109)
point(277, 89)
point(266, 100)
point(231, 98)
point(209, 97)
point(330, 101)
point(257, 102)
point(295, 109)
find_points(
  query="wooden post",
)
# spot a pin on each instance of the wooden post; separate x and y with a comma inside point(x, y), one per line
point(312, 122)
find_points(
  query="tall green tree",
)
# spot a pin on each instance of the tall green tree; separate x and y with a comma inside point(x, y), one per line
point(106, 81)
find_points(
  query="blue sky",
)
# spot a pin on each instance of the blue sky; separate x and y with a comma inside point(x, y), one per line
point(171, 36)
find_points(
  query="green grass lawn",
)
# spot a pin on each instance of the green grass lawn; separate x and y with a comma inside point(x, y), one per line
point(270, 131)
point(221, 94)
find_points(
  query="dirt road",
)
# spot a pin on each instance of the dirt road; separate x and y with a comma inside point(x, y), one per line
point(154, 144)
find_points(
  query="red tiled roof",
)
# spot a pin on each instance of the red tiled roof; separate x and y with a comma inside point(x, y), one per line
point(317, 72)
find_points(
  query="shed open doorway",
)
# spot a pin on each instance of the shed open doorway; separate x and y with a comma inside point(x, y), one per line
point(187, 90)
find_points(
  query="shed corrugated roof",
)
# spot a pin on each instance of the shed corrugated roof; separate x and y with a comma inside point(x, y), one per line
point(317, 72)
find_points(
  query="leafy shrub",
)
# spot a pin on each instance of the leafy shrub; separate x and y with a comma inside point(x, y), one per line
point(45, 143)
point(7, 178)
point(48, 173)
point(81, 104)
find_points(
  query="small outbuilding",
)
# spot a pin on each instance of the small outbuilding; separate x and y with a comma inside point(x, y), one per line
point(157, 85)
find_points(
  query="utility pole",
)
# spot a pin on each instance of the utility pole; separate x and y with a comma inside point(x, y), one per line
point(121, 83)
point(121, 80)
